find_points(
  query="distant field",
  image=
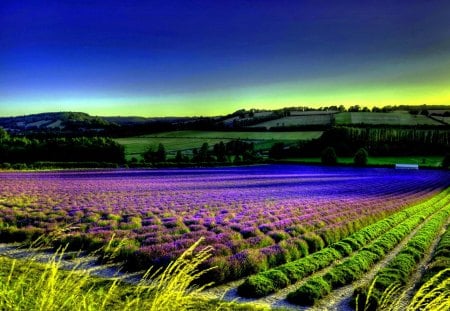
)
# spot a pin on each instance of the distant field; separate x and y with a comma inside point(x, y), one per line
point(443, 119)
point(388, 118)
point(187, 140)
point(298, 120)
point(432, 161)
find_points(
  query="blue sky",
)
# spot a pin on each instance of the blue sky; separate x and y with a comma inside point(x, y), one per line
point(211, 57)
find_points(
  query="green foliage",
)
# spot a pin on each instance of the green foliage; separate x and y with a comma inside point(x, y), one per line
point(77, 149)
point(404, 263)
point(361, 157)
point(154, 156)
point(27, 285)
point(328, 156)
point(316, 288)
point(256, 286)
point(361, 261)
point(277, 151)
point(387, 232)
point(446, 161)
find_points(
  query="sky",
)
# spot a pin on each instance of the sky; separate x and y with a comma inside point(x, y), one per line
point(185, 58)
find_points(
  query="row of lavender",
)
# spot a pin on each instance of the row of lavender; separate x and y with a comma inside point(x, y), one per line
point(255, 218)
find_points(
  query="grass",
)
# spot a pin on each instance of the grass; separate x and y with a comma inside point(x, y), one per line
point(187, 140)
point(324, 119)
point(432, 296)
point(28, 285)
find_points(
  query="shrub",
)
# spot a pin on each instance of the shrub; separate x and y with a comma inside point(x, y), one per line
point(360, 158)
point(328, 156)
point(316, 288)
point(256, 286)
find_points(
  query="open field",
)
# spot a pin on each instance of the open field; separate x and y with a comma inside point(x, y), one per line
point(388, 118)
point(290, 221)
point(298, 120)
point(187, 140)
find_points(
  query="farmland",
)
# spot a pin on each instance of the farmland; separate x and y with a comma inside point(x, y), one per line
point(269, 226)
point(187, 140)
point(380, 118)
point(299, 120)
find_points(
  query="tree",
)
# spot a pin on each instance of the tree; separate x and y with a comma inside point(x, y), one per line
point(3, 135)
point(155, 156)
point(220, 152)
point(179, 157)
point(276, 151)
point(329, 156)
point(161, 153)
point(446, 161)
point(360, 158)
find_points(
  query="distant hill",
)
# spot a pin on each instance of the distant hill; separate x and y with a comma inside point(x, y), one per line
point(286, 119)
point(77, 122)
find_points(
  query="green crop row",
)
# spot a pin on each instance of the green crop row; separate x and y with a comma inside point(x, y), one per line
point(355, 266)
point(441, 257)
point(405, 262)
point(272, 280)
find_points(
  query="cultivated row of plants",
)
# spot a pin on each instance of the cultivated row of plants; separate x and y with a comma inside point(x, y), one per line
point(361, 261)
point(440, 259)
point(254, 219)
point(399, 269)
point(272, 280)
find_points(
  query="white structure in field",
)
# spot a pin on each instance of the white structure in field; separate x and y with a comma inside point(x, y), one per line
point(407, 166)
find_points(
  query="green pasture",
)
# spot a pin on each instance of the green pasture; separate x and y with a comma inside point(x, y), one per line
point(388, 118)
point(187, 140)
point(298, 120)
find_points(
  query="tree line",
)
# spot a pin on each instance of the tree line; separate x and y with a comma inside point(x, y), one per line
point(59, 149)
point(234, 151)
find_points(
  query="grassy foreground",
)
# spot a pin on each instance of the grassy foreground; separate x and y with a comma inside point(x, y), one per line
point(28, 285)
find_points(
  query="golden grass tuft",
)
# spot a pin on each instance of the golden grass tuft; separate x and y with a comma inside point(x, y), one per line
point(434, 295)
point(29, 285)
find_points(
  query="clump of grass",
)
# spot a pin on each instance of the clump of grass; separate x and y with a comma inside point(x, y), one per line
point(431, 296)
point(29, 285)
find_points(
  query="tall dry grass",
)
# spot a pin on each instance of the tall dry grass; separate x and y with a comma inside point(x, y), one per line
point(434, 295)
point(29, 285)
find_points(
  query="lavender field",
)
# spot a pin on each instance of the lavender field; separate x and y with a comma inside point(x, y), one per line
point(254, 217)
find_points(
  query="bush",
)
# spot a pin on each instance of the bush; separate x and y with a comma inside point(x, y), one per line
point(328, 156)
point(316, 288)
point(360, 158)
point(446, 161)
point(256, 286)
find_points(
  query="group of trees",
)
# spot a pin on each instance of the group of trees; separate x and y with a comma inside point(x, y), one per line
point(377, 141)
point(329, 157)
point(236, 151)
point(60, 149)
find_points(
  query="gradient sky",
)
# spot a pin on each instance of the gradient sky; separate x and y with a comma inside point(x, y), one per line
point(159, 58)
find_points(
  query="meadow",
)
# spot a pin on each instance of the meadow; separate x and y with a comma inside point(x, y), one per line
point(270, 227)
point(188, 140)
point(382, 118)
